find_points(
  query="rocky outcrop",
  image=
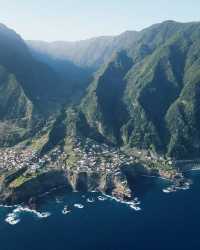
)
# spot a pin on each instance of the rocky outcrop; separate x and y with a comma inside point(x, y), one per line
point(111, 184)
point(118, 184)
point(34, 187)
point(132, 171)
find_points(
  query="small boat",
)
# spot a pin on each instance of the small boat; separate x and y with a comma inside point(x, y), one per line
point(65, 210)
point(78, 205)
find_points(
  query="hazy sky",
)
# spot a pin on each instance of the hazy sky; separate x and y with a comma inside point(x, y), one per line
point(79, 19)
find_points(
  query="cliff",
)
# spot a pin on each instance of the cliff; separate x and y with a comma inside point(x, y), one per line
point(19, 190)
point(23, 188)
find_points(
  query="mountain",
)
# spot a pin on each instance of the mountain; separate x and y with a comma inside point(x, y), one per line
point(158, 101)
point(90, 53)
point(144, 91)
point(147, 96)
point(30, 90)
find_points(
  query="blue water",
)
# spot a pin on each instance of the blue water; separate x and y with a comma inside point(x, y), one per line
point(166, 221)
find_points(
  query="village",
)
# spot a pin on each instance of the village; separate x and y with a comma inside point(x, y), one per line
point(87, 157)
point(11, 158)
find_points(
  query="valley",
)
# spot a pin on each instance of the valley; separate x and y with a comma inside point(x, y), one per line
point(95, 114)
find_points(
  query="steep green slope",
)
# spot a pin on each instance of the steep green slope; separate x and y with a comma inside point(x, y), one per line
point(74, 79)
point(149, 97)
point(146, 96)
point(184, 113)
point(75, 62)
point(90, 53)
point(16, 111)
point(39, 82)
point(13, 101)
point(103, 105)
point(30, 91)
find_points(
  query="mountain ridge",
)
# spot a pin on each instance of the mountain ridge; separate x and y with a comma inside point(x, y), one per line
point(144, 91)
point(155, 84)
point(125, 108)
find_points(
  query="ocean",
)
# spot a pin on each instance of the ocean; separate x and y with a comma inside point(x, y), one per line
point(168, 221)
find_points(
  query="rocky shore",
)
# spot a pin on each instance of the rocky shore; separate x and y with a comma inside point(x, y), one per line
point(119, 184)
point(115, 185)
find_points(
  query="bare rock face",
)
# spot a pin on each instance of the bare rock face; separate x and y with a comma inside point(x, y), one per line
point(108, 183)
point(81, 182)
point(119, 184)
point(121, 189)
point(112, 184)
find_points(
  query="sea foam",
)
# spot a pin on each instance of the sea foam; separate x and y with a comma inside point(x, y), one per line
point(13, 217)
point(134, 204)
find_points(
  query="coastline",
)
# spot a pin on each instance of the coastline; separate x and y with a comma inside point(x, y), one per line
point(117, 186)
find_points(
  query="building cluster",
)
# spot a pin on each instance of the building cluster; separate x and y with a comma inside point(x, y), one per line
point(14, 159)
point(90, 157)
point(99, 157)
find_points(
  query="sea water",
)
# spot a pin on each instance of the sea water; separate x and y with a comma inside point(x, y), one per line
point(168, 221)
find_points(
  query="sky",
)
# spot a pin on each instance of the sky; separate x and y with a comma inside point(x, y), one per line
point(71, 20)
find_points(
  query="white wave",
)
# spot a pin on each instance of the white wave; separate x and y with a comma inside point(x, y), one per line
point(65, 210)
point(118, 200)
point(8, 206)
point(78, 205)
point(44, 215)
point(12, 219)
point(135, 207)
point(173, 188)
point(192, 169)
point(149, 176)
point(167, 191)
point(21, 209)
point(90, 200)
point(58, 201)
point(134, 204)
point(185, 187)
point(102, 198)
point(136, 201)
point(157, 177)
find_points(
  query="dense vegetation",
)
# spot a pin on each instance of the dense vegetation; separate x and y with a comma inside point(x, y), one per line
point(149, 97)
point(145, 95)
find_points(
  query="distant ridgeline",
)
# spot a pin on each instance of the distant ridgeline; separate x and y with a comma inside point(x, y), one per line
point(138, 89)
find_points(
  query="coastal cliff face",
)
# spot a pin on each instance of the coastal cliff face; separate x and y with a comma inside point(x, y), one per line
point(138, 169)
point(112, 184)
point(13, 193)
point(108, 183)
